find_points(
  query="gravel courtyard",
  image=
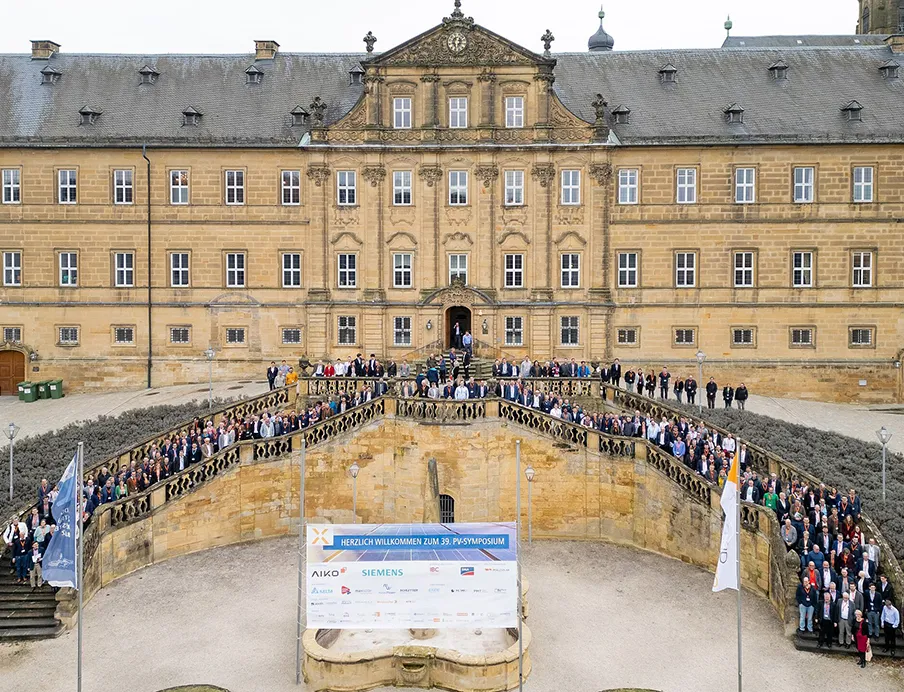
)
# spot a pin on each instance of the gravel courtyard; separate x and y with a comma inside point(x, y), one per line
point(602, 617)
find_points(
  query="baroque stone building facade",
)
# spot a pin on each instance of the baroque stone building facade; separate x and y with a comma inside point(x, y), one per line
point(642, 205)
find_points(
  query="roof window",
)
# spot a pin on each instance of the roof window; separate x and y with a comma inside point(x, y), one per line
point(191, 117)
point(889, 69)
point(622, 115)
point(88, 115)
point(299, 116)
point(50, 75)
point(668, 74)
point(778, 70)
point(356, 75)
point(254, 75)
point(853, 111)
point(148, 75)
point(734, 113)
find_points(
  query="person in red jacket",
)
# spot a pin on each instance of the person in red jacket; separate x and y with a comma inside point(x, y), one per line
point(861, 634)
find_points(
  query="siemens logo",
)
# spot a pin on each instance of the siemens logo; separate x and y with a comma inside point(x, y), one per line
point(382, 573)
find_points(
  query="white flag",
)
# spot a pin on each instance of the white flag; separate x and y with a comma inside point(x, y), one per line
point(727, 567)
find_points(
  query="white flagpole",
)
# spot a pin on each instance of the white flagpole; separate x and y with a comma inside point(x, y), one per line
point(299, 630)
point(81, 553)
point(518, 540)
point(738, 541)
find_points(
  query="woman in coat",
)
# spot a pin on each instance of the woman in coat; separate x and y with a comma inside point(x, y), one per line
point(861, 635)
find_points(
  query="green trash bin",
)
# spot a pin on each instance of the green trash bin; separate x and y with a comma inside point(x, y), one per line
point(44, 389)
point(56, 389)
point(29, 391)
point(22, 386)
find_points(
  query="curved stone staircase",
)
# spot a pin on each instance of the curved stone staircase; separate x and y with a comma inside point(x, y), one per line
point(26, 613)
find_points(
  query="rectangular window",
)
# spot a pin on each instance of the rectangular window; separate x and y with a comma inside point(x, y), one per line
point(235, 187)
point(122, 187)
point(685, 269)
point(235, 270)
point(514, 188)
point(514, 271)
point(686, 179)
point(514, 111)
point(627, 185)
point(458, 112)
point(68, 336)
point(685, 336)
point(863, 184)
point(178, 187)
point(743, 269)
point(742, 336)
point(347, 188)
point(458, 268)
point(401, 270)
point(12, 335)
point(862, 264)
point(571, 270)
point(291, 335)
point(123, 335)
point(68, 269)
point(401, 188)
point(180, 335)
point(571, 187)
point(627, 270)
point(12, 186)
point(514, 331)
point(12, 268)
point(626, 336)
point(401, 331)
point(124, 269)
point(802, 337)
point(348, 271)
point(745, 185)
point(291, 270)
point(802, 269)
point(803, 184)
point(178, 269)
point(861, 337)
point(291, 188)
point(569, 331)
point(235, 335)
point(68, 186)
point(401, 113)
point(348, 332)
point(458, 188)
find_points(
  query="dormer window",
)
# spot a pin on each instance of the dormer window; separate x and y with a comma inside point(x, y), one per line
point(299, 116)
point(254, 75)
point(889, 69)
point(778, 70)
point(88, 115)
point(853, 112)
point(356, 75)
point(734, 114)
point(191, 117)
point(50, 75)
point(148, 75)
point(622, 115)
point(668, 74)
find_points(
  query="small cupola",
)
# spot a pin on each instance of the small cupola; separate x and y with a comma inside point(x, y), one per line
point(191, 116)
point(148, 75)
point(50, 75)
point(88, 115)
point(668, 73)
point(622, 115)
point(853, 112)
point(778, 70)
point(44, 50)
point(299, 116)
point(254, 75)
point(265, 50)
point(356, 75)
point(734, 114)
point(601, 41)
point(889, 69)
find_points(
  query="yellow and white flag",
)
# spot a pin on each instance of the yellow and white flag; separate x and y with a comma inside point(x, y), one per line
point(727, 567)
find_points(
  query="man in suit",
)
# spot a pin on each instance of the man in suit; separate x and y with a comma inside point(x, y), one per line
point(690, 388)
point(863, 582)
point(207, 449)
point(825, 617)
point(711, 389)
point(885, 588)
point(358, 366)
point(844, 617)
point(750, 493)
point(856, 597)
point(272, 372)
point(615, 373)
point(728, 395)
point(827, 575)
point(873, 604)
point(371, 367)
point(825, 540)
point(664, 377)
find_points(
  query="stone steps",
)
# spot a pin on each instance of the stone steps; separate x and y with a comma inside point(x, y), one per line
point(26, 613)
point(808, 641)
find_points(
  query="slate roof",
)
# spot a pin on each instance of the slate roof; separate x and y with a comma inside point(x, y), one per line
point(805, 41)
point(805, 107)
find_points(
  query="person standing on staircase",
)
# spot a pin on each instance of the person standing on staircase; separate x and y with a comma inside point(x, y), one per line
point(711, 390)
point(615, 373)
point(467, 343)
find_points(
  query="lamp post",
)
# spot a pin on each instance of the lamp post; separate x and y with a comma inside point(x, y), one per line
point(701, 356)
point(354, 471)
point(882, 433)
point(210, 353)
point(529, 473)
point(11, 435)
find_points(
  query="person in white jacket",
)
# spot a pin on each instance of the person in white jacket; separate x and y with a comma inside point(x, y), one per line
point(461, 391)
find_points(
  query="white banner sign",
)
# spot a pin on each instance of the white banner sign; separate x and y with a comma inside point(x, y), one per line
point(391, 576)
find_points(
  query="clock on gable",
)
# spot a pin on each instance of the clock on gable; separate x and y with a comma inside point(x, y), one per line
point(457, 42)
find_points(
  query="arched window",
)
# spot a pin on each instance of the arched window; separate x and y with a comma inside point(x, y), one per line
point(446, 509)
point(864, 24)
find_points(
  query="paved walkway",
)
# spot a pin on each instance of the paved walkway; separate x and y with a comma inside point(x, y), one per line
point(602, 617)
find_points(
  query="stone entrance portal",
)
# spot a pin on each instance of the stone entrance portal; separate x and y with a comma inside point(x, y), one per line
point(461, 316)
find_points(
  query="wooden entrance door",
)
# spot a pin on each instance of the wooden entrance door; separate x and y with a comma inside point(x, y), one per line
point(12, 371)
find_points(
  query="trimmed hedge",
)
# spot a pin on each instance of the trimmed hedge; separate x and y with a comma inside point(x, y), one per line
point(837, 460)
point(47, 455)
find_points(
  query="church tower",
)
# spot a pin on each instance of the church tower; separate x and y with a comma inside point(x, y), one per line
point(881, 17)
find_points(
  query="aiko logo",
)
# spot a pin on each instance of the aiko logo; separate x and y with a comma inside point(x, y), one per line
point(321, 573)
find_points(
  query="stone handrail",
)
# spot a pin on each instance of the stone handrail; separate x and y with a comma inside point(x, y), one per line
point(763, 461)
point(563, 386)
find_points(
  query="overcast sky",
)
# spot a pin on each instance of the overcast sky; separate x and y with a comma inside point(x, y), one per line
point(230, 26)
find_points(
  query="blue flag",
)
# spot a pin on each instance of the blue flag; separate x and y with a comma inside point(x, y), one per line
point(59, 559)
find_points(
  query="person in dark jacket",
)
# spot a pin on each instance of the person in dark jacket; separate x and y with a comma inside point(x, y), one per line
point(825, 617)
point(711, 389)
point(664, 377)
point(678, 388)
point(728, 395)
point(690, 388)
point(615, 373)
point(741, 395)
